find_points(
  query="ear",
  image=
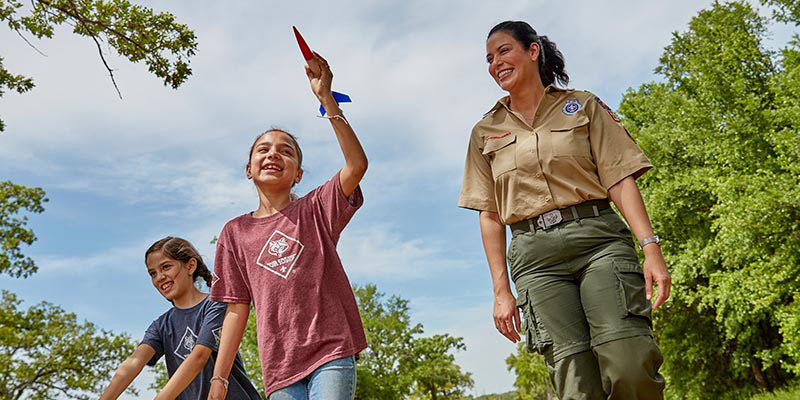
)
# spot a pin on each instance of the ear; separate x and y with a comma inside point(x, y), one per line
point(534, 51)
point(299, 176)
point(191, 265)
point(247, 171)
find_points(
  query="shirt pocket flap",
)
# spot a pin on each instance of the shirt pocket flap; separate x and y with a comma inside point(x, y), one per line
point(568, 124)
point(494, 143)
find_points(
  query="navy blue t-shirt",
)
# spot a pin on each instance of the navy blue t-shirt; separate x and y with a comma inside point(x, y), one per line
point(174, 335)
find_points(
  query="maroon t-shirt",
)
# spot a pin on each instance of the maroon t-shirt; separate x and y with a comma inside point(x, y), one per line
point(287, 266)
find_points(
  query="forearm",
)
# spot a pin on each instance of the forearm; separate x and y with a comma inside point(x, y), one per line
point(232, 332)
point(493, 235)
point(188, 370)
point(127, 372)
point(354, 156)
point(626, 196)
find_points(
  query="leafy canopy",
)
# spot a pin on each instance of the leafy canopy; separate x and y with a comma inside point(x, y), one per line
point(722, 130)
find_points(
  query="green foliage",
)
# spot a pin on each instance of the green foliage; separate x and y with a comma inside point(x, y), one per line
point(399, 363)
point(723, 133)
point(249, 352)
point(135, 32)
point(786, 10)
point(46, 353)
point(531, 373)
point(161, 375)
point(14, 198)
point(791, 393)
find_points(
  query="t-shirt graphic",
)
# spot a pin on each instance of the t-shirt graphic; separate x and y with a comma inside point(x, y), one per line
point(280, 254)
point(187, 344)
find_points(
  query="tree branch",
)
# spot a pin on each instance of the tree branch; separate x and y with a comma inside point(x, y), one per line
point(28, 42)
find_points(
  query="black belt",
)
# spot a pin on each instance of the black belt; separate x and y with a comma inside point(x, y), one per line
point(547, 220)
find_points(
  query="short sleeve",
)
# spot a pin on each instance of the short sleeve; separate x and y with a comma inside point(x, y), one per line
point(211, 327)
point(228, 284)
point(477, 185)
point(336, 208)
point(152, 338)
point(615, 153)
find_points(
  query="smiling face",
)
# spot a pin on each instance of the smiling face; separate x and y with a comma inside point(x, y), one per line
point(274, 162)
point(511, 65)
point(172, 278)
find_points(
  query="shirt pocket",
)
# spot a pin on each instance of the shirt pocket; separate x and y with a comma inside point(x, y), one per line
point(501, 151)
point(570, 137)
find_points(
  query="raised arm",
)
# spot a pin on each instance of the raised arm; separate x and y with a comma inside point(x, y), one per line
point(127, 371)
point(188, 370)
point(626, 196)
point(231, 337)
point(505, 311)
point(355, 160)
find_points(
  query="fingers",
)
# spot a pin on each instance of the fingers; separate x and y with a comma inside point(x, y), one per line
point(506, 327)
point(648, 284)
point(664, 282)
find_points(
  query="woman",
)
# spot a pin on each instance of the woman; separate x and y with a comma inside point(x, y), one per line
point(546, 161)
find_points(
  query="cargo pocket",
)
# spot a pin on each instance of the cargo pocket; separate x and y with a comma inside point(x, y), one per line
point(632, 298)
point(501, 151)
point(536, 337)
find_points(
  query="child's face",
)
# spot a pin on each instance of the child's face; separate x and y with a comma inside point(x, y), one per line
point(170, 277)
point(274, 162)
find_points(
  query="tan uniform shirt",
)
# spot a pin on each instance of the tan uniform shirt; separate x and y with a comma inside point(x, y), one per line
point(575, 151)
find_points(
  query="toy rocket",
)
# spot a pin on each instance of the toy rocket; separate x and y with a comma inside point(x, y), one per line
point(309, 57)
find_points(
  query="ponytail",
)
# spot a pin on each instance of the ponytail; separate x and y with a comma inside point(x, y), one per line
point(551, 61)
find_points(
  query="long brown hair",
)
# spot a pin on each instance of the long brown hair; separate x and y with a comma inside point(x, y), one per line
point(181, 250)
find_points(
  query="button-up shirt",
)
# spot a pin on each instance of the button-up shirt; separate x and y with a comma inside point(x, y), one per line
point(575, 151)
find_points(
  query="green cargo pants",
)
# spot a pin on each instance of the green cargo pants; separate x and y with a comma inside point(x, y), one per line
point(581, 290)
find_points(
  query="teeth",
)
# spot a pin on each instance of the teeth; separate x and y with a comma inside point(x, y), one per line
point(503, 73)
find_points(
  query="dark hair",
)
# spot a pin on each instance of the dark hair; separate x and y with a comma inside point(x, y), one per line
point(551, 61)
point(181, 250)
point(294, 143)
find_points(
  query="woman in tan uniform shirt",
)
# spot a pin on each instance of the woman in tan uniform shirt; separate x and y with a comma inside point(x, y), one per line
point(545, 161)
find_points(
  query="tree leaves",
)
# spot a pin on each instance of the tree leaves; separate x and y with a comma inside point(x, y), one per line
point(13, 199)
point(725, 194)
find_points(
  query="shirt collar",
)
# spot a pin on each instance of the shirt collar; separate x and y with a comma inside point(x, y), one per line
point(503, 102)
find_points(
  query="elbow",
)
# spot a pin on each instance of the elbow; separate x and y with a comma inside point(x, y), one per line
point(359, 169)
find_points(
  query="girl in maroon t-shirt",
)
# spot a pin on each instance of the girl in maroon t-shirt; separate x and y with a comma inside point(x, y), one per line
point(282, 258)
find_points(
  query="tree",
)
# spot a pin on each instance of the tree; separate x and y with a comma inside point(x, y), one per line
point(435, 372)
point(135, 32)
point(398, 360)
point(46, 353)
point(722, 130)
point(14, 198)
point(531, 373)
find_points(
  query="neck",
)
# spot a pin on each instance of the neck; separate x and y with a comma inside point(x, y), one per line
point(526, 100)
point(189, 299)
point(270, 202)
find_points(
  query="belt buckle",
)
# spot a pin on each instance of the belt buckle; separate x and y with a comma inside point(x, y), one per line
point(549, 219)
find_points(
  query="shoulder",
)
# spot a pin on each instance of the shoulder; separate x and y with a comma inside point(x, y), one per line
point(163, 319)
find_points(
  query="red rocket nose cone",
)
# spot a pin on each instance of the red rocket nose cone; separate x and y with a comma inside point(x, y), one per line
point(303, 46)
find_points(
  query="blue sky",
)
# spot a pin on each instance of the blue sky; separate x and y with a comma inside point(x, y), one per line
point(121, 174)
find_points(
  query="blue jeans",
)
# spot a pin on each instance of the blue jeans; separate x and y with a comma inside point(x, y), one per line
point(334, 380)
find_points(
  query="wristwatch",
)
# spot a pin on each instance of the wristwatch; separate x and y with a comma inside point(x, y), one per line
point(652, 239)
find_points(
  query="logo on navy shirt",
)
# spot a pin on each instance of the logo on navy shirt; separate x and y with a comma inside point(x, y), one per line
point(279, 255)
point(217, 334)
point(187, 344)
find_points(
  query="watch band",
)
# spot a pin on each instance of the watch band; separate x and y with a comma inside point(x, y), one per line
point(652, 239)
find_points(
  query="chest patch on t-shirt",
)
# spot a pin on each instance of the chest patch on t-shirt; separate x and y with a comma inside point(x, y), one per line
point(280, 254)
point(186, 344)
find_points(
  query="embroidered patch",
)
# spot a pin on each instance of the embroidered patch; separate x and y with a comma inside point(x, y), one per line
point(571, 107)
point(607, 108)
point(498, 137)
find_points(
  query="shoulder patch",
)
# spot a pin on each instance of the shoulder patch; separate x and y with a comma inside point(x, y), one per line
point(607, 108)
point(571, 107)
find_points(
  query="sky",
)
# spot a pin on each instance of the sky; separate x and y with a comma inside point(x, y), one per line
point(121, 174)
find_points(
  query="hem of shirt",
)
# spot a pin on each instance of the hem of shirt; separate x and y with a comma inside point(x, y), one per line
point(308, 371)
point(210, 346)
point(635, 170)
point(229, 300)
point(477, 205)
